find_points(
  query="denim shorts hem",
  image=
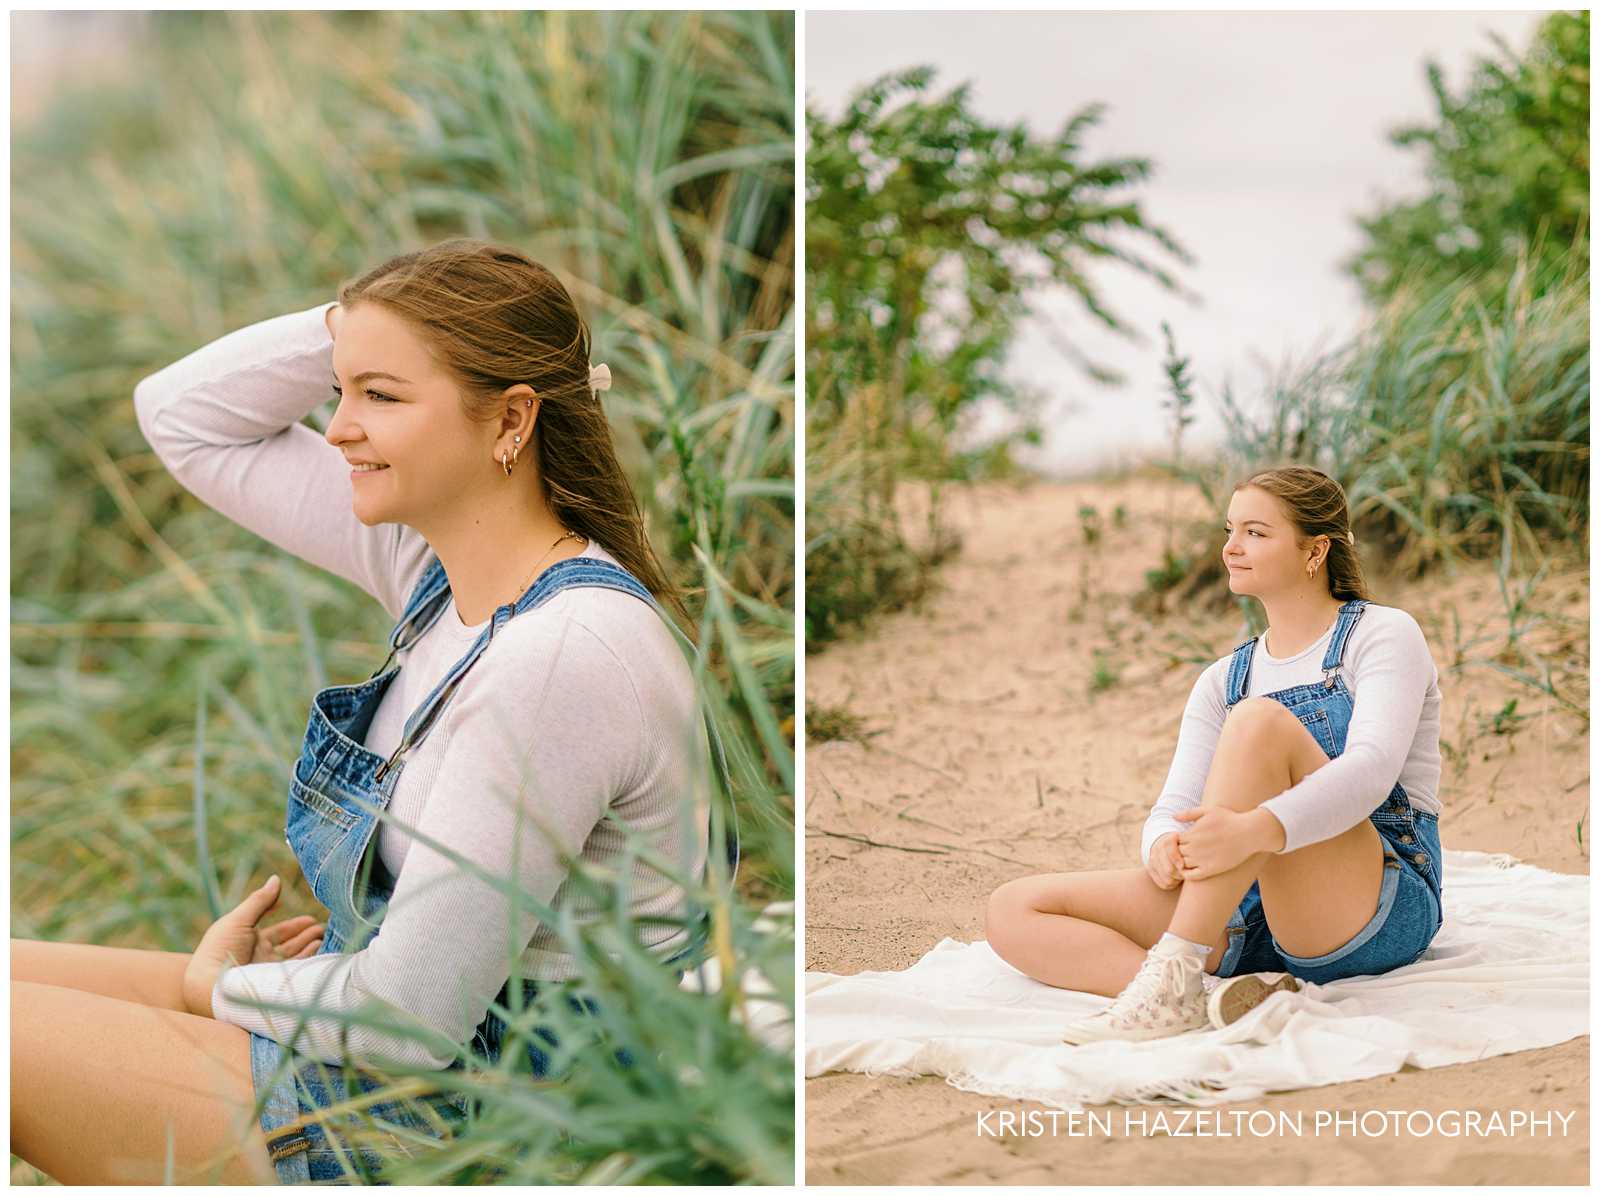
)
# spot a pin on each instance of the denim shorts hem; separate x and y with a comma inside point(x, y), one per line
point(1230, 957)
point(1407, 919)
point(280, 1109)
point(1386, 894)
point(304, 1148)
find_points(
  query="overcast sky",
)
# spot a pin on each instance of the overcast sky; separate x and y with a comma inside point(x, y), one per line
point(1266, 133)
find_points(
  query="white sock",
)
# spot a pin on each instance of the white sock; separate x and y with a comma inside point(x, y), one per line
point(1173, 942)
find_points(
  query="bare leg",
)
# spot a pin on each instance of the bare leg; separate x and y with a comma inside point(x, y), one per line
point(1315, 898)
point(153, 978)
point(105, 1091)
point(1087, 931)
point(1248, 767)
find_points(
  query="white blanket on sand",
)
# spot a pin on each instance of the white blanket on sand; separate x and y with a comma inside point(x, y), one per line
point(1508, 971)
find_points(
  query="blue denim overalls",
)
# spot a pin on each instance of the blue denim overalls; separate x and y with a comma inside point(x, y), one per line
point(335, 792)
point(1410, 900)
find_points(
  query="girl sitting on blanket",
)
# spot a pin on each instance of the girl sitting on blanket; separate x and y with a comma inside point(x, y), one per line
point(1297, 835)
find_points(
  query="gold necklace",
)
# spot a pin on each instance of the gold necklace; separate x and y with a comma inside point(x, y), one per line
point(565, 535)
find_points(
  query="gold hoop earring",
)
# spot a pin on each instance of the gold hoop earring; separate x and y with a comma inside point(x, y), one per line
point(505, 463)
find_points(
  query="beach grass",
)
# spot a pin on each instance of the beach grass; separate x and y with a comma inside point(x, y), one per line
point(1457, 424)
point(1457, 419)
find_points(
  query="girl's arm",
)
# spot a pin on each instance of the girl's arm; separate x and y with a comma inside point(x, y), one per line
point(1389, 668)
point(1198, 734)
point(545, 732)
point(226, 421)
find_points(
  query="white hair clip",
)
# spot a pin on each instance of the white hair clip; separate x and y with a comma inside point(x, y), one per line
point(599, 379)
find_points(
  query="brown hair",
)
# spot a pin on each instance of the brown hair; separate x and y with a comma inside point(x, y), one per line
point(493, 317)
point(1317, 507)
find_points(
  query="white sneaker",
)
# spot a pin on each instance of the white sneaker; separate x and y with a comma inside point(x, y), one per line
point(1238, 995)
point(1166, 997)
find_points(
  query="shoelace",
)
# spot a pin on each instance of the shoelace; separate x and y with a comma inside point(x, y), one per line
point(1146, 983)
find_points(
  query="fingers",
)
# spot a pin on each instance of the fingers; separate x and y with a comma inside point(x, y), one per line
point(306, 942)
point(279, 931)
point(1163, 878)
point(295, 937)
point(261, 900)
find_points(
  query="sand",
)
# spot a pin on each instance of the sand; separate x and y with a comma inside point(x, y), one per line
point(989, 749)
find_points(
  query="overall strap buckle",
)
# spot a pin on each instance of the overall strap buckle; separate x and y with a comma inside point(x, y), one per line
point(394, 757)
point(379, 670)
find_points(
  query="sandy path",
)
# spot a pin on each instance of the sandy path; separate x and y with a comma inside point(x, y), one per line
point(989, 751)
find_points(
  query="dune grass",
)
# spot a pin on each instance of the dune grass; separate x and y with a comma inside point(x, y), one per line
point(1458, 426)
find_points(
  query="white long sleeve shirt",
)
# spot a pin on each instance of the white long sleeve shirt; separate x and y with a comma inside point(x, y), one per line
point(1393, 734)
point(580, 706)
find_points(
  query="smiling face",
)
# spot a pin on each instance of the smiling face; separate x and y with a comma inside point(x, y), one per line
point(399, 410)
point(1260, 551)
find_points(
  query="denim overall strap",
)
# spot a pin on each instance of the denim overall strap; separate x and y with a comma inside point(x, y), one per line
point(1239, 672)
point(1239, 668)
point(1349, 615)
point(431, 596)
point(572, 572)
point(428, 599)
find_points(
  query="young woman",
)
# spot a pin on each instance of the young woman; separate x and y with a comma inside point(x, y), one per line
point(1297, 835)
point(539, 710)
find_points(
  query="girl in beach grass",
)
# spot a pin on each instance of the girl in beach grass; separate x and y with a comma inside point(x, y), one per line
point(1297, 835)
point(539, 712)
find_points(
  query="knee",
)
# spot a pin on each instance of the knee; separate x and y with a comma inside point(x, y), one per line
point(1260, 720)
point(1008, 905)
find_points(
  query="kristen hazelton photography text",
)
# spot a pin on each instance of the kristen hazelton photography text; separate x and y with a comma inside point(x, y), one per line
point(1259, 1123)
point(1197, 595)
point(403, 591)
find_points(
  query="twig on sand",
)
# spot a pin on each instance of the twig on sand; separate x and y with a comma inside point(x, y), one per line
point(837, 795)
point(993, 855)
point(928, 822)
point(1072, 832)
point(873, 842)
point(937, 849)
point(913, 760)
